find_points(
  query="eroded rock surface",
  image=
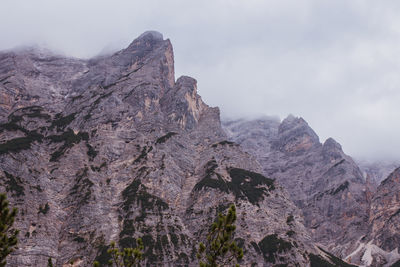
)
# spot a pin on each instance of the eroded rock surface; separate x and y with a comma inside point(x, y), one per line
point(323, 182)
point(113, 148)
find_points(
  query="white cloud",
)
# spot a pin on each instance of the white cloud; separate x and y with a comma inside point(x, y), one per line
point(335, 63)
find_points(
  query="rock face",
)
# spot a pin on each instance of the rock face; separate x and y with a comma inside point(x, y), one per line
point(381, 244)
point(113, 148)
point(376, 172)
point(385, 213)
point(323, 182)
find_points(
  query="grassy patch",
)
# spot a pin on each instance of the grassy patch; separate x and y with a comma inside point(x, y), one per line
point(290, 233)
point(183, 259)
point(143, 154)
point(335, 261)
point(91, 152)
point(256, 247)
point(15, 145)
point(14, 185)
point(250, 185)
point(60, 122)
point(44, 209)
point(149, 244)
point(272, 245)
point(128, 229)
point(136, 193)
point(79, 239)
point(244, 184)
point(103, 257)
point(396, 264)
point(223, 143)
point(289, 220)
point(20, 143)
point(82, 186)
point(127, 242)
point(164, 138)
point(174, 239)
point(98, 169)
point(318, 261)
point(210, 182)
point(30, 112)
point(12, 127)
point(69, 138)
point(342, 187)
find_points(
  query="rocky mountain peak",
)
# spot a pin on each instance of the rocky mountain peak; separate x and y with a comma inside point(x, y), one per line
point(296, 136)
point(151, 48)
point(332, 150)
point(155, 35)
point(323, 182)
point(182, 103)
point(147, 39)
point(296, 125)
point(112, 148)
point(331, 143)
point(187, 84)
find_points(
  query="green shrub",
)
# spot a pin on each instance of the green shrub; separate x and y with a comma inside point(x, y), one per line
point(271, 245)
point(164, 138)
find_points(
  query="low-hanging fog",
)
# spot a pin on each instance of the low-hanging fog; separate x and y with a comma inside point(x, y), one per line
point(334, 63)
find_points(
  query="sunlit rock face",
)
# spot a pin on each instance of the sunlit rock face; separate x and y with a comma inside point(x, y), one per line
point(113, 148)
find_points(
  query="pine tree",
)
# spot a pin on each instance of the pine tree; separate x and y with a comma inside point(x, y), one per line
point(127, 257)
point(49, 263)
point(220, 248)
point(8, 236)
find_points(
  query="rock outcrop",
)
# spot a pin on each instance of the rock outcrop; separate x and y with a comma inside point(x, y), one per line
point(323, 182)
point(112, 148)
point(377, 171)
point(380, 246)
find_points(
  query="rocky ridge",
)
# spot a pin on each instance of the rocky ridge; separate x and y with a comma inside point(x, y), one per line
point(342, 206)
point(323, 182)
point(376, 171)
point(379, 247)
point(113, 148)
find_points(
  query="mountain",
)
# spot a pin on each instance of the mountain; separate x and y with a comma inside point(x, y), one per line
point(385, 212)
point(379, 247)
point(322, 181)
point(113, 148)
point(342, 204)
point(377, 171)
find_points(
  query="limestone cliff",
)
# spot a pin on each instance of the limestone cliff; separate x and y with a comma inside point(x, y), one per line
point(323, 182)
point(113, 148)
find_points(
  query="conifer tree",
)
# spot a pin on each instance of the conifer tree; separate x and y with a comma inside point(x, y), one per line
point(49, 263)
point(220, 248)
point(127, 257)
point(8, 236)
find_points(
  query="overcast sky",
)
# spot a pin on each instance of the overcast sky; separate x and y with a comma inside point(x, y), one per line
point(334, 63)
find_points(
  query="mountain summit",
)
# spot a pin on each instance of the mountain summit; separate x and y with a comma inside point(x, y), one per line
point(114, 148)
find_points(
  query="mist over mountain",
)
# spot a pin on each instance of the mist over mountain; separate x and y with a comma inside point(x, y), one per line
point(334, 63)
point(116, 148)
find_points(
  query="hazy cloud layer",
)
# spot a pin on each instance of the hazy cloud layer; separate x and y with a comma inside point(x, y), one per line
point(335, 63)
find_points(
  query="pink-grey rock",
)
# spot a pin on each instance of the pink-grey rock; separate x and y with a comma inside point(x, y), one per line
point(113, 148)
